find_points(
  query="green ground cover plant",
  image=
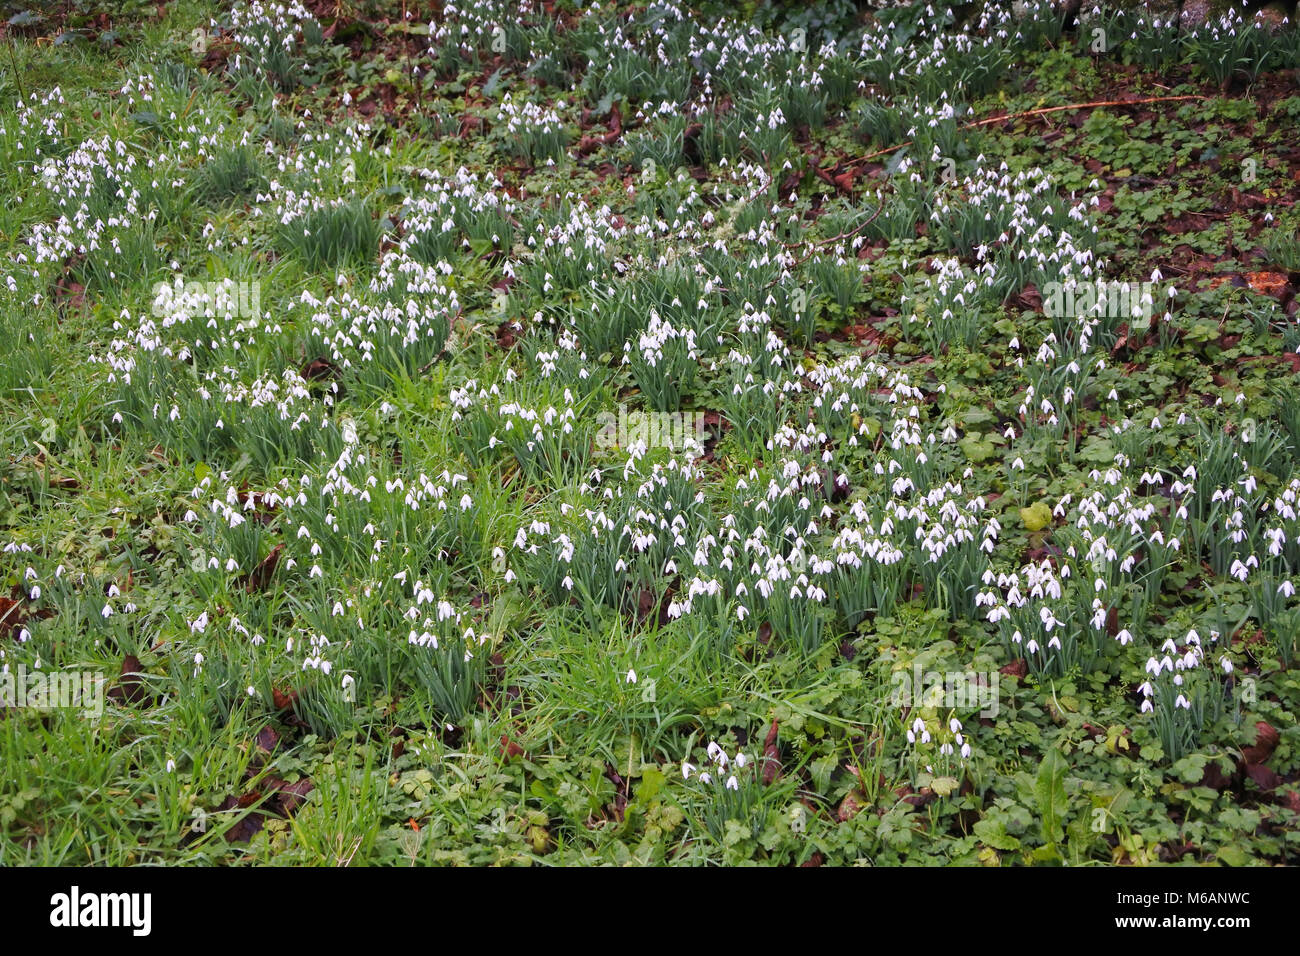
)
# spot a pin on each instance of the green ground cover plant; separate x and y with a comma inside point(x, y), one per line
point(571, 433)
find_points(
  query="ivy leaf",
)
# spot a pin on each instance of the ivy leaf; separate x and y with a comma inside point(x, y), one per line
point(943, 786)
point(1036, 517)
point(1191, 768)
point(977, 447)
point(1233, 855)
point(1098, 451)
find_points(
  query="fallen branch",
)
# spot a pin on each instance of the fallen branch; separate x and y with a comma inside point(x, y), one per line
point(843, 235)
point(1040, 112)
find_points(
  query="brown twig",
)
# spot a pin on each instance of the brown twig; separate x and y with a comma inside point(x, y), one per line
point(843, 235)
point(1040, 112)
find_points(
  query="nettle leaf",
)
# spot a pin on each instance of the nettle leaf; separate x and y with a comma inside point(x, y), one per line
point(993, 832)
